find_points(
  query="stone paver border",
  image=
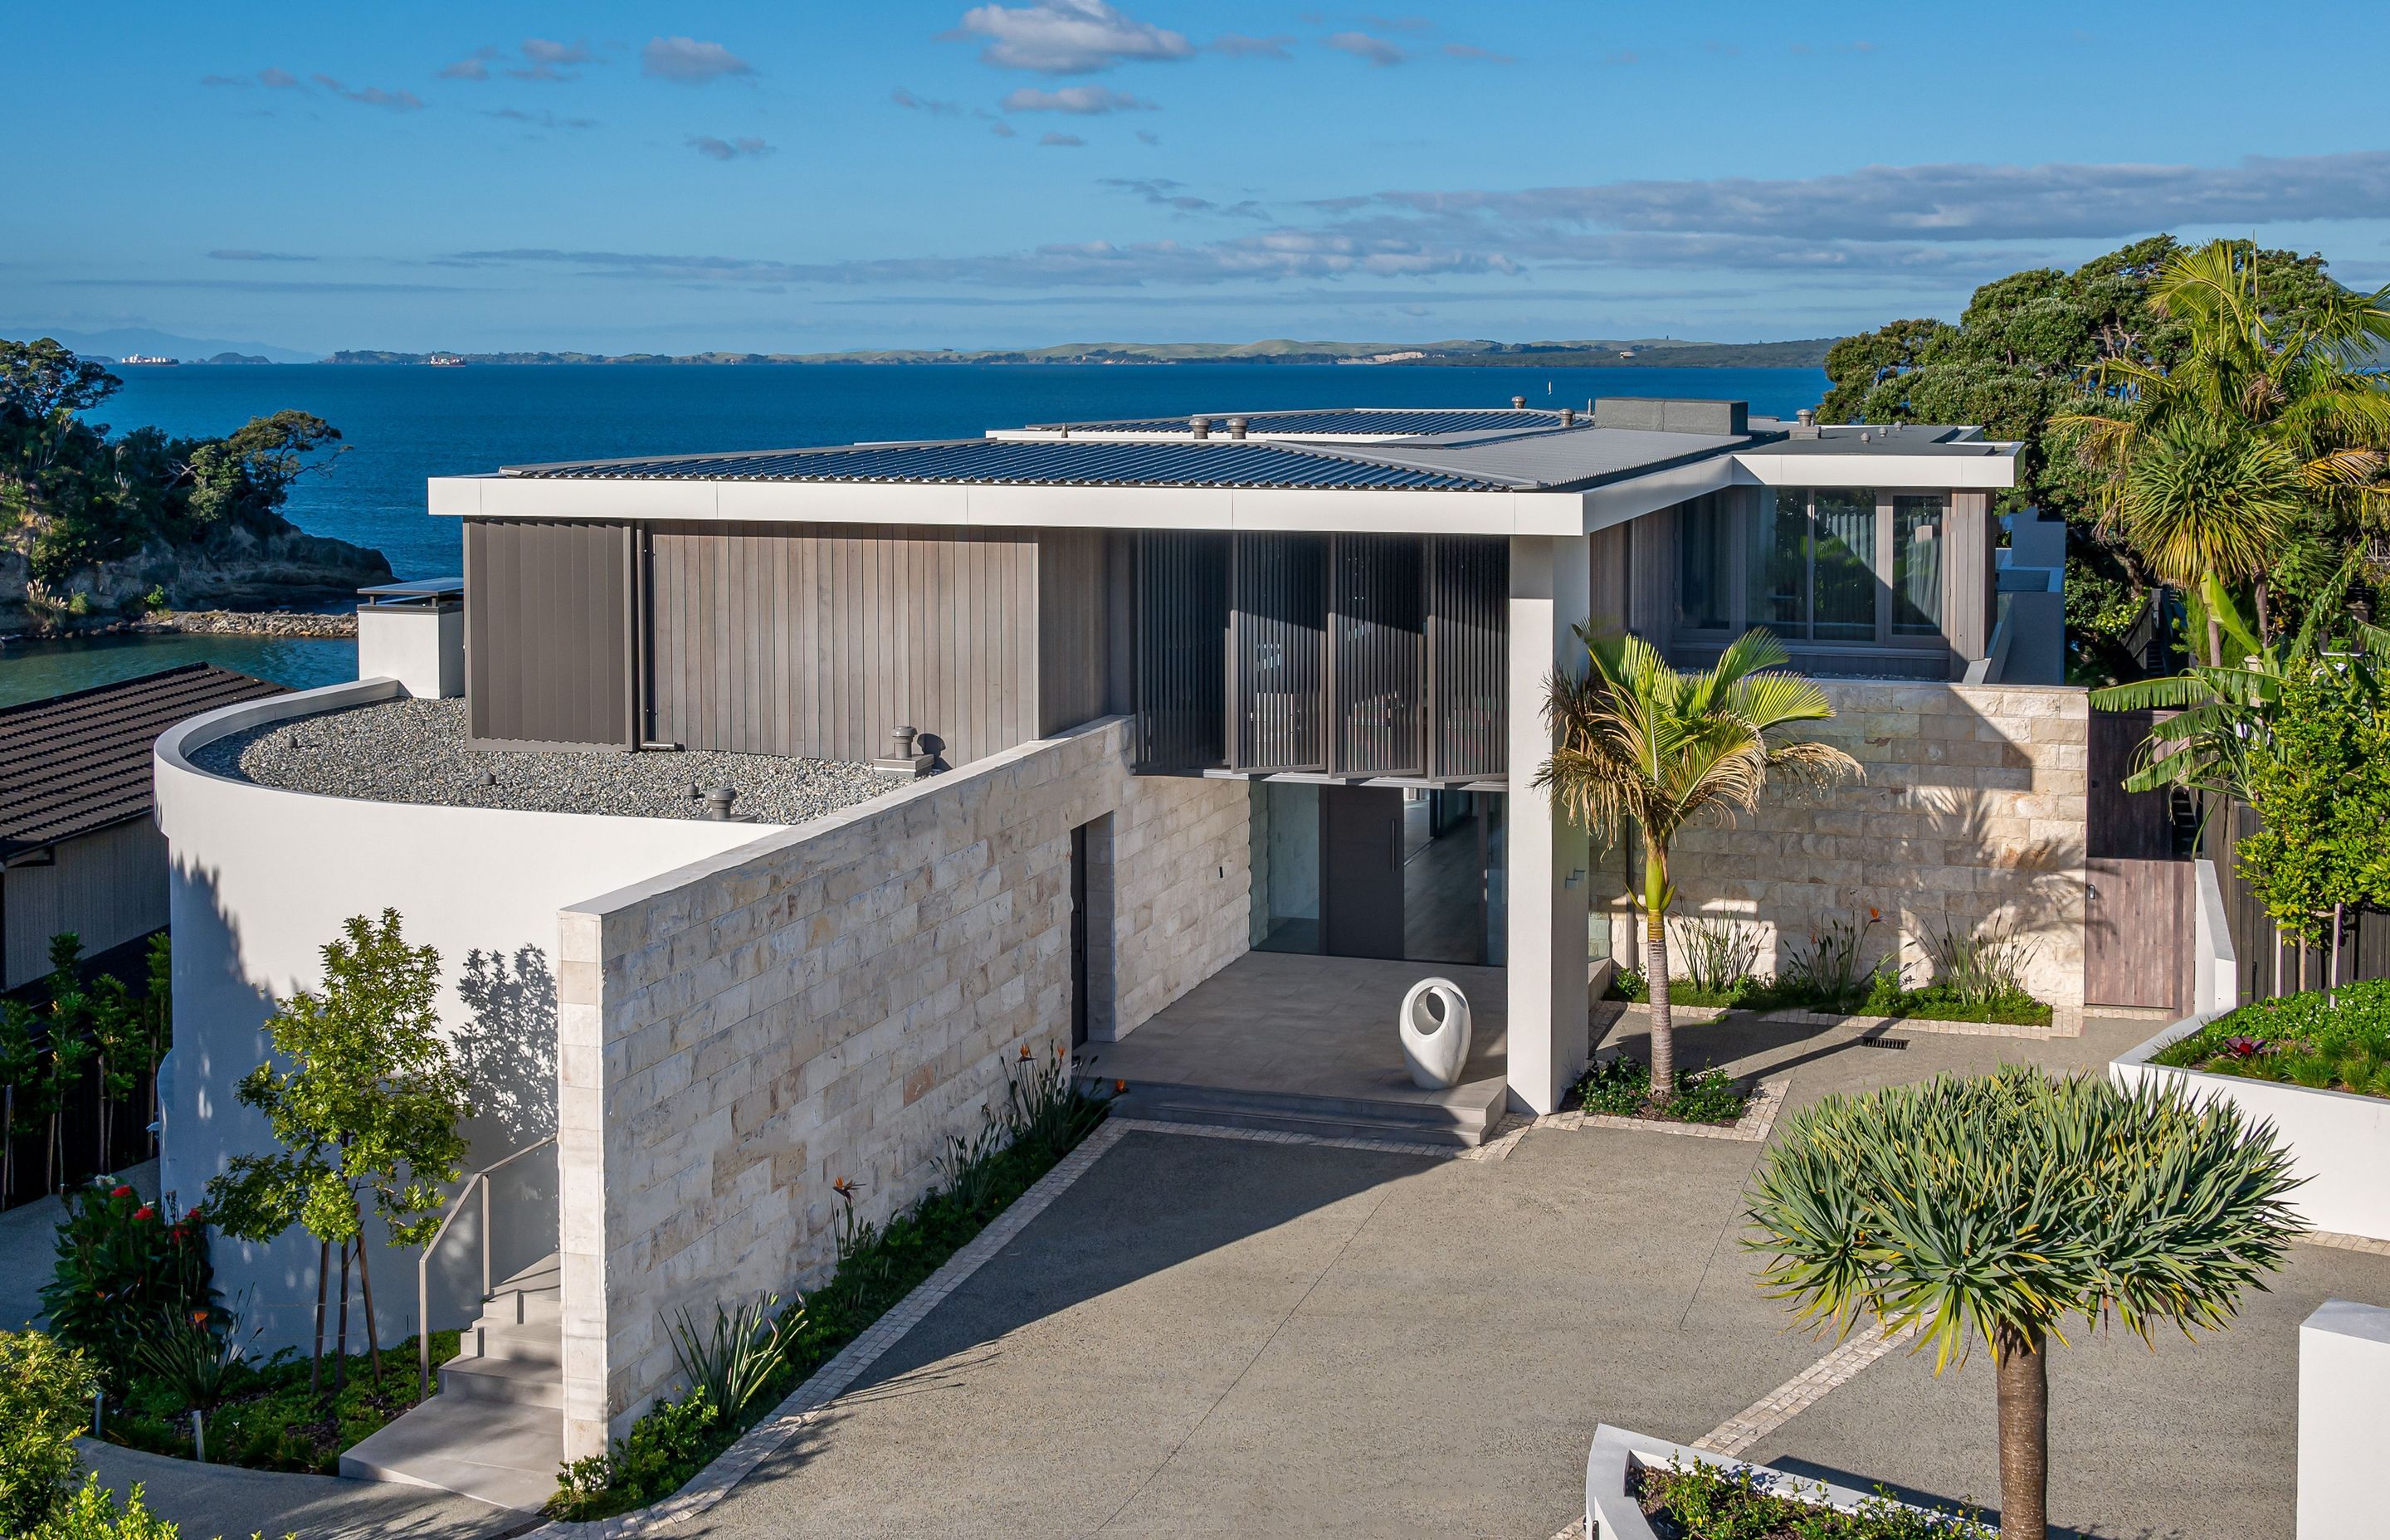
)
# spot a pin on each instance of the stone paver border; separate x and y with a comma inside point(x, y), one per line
point(2347, 1242)
point(2063, 1022)
point(1804, 1390)
point(1753, 1127)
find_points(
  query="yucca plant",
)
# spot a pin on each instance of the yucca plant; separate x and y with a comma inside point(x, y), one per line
point(1719, 951)
point(1637, 743)
point(195, 1354)
point(1991, 1210)
point(731, 1363)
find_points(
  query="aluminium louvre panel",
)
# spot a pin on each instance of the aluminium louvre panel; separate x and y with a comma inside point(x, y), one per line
point(1390, 421)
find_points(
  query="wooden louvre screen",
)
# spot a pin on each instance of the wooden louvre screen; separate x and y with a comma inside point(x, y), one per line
point(1376, 685)
point(1469, 657)
point(1278, 650)
point(1182, 616)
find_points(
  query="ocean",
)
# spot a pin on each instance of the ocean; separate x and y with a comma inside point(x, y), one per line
point(400, 424)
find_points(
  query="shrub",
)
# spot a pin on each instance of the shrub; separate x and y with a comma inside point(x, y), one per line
point(93, 1513)
point(2305, 1039)
point(121, 1264)
point(1981, 966)
point(1620, 1088)
point(730, 1364)
point(45, 1390)
point(1718, 952)
point(1701, 1501)
point(1827, 970)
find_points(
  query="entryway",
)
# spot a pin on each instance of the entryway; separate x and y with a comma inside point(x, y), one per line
point(1409, 874)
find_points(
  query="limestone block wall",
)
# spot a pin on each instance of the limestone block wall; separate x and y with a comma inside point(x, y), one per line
point(835, 1002)
point(1972, 810)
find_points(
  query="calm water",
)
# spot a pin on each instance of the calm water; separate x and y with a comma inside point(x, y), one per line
point(404, 424)
point(31, 671)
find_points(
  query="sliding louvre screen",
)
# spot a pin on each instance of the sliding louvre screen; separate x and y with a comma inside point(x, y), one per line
point(1182, 620)
point(1278, 648)
point(1378, 622)
point(1469, 653)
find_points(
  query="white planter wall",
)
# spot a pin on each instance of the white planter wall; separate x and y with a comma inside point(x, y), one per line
point(2343, 1420)
point(1611, 1514)
point(2339, 1141)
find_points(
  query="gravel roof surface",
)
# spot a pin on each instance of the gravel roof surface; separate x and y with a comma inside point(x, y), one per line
point(413, 752)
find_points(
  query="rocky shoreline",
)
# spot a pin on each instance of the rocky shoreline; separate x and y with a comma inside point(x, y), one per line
point(210, 622)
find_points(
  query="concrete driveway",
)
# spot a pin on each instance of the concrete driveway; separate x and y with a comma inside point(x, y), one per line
point(1211, 1335)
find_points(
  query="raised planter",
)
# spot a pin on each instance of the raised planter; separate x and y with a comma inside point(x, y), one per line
point(2338, 1140)
point(1612, 1513)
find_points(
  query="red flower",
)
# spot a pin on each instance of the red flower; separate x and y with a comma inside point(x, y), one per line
point(145, 1212)
point(192, 1217)
point(119, 1192)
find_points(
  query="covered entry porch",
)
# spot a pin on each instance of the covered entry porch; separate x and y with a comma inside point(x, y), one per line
point(1307, 1045)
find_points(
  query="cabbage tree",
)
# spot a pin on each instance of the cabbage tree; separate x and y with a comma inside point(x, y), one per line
point(1991, 1211)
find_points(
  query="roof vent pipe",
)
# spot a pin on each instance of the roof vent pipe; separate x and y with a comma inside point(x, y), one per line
point(1807, 416)
point(1200, 427)
point(1568, 416)
point(1518, 403)
point(1236, 428)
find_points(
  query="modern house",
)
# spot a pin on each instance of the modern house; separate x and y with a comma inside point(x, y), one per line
point(1232, 719)
point(78, 850)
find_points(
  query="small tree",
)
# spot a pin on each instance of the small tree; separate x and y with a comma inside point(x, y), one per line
point(66, 1048)
point(158, 1019)
point(1989, 1210)
point(366, 1108)
point(45, 1394)
point(2323, 777)
point(20, 1062)
point(1640, 744)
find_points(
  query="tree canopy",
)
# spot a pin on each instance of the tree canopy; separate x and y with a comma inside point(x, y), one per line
point(2032, 349)
point(72, 495)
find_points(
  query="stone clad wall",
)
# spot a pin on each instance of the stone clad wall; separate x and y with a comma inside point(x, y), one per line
point(1973, 807)
point(836, 1002)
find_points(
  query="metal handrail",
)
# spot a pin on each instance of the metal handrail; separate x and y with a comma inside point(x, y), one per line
point(479, 1181)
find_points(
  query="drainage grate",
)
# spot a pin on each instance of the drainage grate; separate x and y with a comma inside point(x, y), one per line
point(1883, 1042)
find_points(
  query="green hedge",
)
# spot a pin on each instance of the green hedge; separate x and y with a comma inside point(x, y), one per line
point(2328, 1042)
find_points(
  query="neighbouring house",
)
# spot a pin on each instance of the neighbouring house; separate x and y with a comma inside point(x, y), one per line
point(1185, 744)
point(78, 850)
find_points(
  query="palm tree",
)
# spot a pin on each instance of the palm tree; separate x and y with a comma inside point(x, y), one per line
point(1989, 1210)
point(1637, 742)
point(2214, 466)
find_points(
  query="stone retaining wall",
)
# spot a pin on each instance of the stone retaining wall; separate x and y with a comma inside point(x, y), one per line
point(836, 1002)
point(1972, 809)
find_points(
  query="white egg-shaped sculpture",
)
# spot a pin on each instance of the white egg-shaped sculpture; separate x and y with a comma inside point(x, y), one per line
point(1435, 1028)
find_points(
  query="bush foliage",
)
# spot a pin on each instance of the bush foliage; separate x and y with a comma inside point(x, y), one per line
point(121, 1264)
point(1700, 1501)
point(2304, 1039)
point(45, 1389)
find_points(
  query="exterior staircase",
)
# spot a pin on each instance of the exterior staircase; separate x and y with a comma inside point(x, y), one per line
point(1464, 1116)
point(494, 1428)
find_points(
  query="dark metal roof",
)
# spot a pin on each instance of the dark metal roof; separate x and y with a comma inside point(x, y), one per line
point(1335, 420)
point(78, 762)
point(1058, 462)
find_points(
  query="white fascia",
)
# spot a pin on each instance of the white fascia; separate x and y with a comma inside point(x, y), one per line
point(1389, 511)
point(1931, 472)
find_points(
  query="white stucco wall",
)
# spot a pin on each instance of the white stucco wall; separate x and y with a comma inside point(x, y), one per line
point(261, 879)
point(2343, 1420)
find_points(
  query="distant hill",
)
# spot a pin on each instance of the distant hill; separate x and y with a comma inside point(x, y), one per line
point(116, 341)
point(1653, 352)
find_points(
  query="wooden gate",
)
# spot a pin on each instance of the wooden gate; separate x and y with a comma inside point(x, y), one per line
point(2136, 909)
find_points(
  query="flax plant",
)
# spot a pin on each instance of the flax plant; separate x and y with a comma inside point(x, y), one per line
point(1639, 743)
point(1991, 1210)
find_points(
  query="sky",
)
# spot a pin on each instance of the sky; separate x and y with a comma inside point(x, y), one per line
point(809, 175)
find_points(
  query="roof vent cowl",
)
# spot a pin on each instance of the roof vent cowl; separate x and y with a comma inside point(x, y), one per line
point(1518, 403)
point(1237, 428)
point(1200, 427)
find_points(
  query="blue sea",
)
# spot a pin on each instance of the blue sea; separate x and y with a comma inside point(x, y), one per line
point(400, 424)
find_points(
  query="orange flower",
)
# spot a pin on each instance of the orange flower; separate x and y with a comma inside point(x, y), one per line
point(1874, 913)
point(841, 1185)
point(1118, 1086)
point(1025, 1050)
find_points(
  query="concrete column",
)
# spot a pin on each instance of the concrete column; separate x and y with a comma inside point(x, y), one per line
point(2343, 1420)
point(1547, 881)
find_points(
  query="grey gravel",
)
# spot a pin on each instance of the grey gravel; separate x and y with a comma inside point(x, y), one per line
point(413, 752)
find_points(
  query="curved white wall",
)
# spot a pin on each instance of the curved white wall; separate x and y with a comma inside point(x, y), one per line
point(261, 879)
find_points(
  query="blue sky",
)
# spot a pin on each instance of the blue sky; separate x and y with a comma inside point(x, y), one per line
point(813, 176)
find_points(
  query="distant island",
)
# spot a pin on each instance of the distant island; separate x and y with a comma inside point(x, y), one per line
point(1643, 353)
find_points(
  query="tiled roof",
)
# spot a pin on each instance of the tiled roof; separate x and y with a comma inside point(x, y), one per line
point(78, 762)
point(1058, 462)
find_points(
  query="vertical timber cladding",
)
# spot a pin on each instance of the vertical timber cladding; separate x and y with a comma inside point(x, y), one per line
point(1182, 628)
point(1277, 645)
point(1377, 669)
point(547, 633)
point(817, 639)
point(1077, 629)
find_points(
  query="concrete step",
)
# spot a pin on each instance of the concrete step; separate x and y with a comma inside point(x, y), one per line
point(1463, 1116)
point(528, 1382)
point(497, 1452)
point(540, 1342)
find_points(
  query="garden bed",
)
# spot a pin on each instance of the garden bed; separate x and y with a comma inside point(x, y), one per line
point(1639, 1488)
point(274, 1422)
point(2339, 1139)
point(1883, 998)
point(1620, 1087)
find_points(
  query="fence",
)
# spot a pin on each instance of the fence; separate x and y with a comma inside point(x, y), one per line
point(2271, 963)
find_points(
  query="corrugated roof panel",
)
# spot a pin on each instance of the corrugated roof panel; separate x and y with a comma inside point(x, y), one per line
point(1061, 462)
point(78, 762)
point(1338, 419)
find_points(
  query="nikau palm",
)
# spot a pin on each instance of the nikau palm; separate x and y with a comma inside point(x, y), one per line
point(1637, 742)
point(2214, 464)
point(1991, 1210)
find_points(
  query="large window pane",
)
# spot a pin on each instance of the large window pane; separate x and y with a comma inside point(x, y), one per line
point(1779, 561)
point(1845, 565)
point(1704, 564)
point(1916, 566)
point(1285, 852)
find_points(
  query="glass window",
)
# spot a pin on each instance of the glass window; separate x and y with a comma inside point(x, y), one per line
point(1843, 583)
point(1916, 566)
point(1776, 582)
point(1285, 850)
point(1704, 564)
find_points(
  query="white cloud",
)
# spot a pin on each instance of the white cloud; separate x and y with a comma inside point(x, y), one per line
point(278, 80)
point(1377, 50)
point(1067, 37)
point(690, 62)
point(1238, 46)
point(1085, 100)
point(1472, 52)
point(728, 150)
point(474, 65)
point(935, 109)
point(1060, 141)
point(244, 254)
